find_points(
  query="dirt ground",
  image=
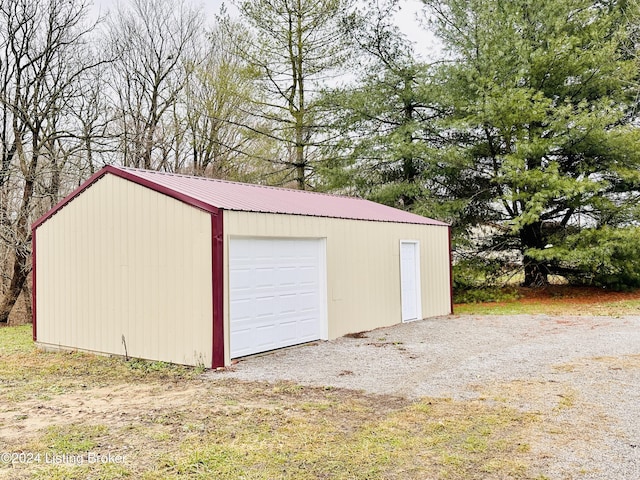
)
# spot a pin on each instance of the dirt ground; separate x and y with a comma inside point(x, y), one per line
point(573, 295)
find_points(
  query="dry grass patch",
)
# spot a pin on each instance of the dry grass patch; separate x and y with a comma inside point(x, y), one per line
point(560, 300)
point(168, 422)
point(565, 425)
point(30, 374)
point(623, 362)
point(430, 439)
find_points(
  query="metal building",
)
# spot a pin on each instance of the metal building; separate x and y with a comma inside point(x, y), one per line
point(198, 271)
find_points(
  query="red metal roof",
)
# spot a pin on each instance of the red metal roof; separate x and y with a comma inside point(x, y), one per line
point(258, 198)
point(211, 195)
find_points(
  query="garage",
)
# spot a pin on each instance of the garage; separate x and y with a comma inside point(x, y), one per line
point(276, 293)
point(197, 271)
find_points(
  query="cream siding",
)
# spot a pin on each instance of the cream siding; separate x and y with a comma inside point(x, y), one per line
point(363, 265)
point(123, 260)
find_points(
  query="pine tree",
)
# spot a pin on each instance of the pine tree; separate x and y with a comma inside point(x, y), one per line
point(542, 94)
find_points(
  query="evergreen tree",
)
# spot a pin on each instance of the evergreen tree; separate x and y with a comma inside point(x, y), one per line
point(542, 99)
point(386, 120)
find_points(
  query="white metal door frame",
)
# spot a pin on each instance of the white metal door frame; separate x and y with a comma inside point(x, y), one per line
point(324, 314)
point(410, 285)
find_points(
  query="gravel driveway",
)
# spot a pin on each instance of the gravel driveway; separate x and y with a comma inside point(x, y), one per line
point(595, 359)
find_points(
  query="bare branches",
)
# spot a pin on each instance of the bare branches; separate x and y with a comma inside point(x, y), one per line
point(41, 64)
point(155, 42)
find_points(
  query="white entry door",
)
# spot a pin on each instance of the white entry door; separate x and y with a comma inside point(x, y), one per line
point(277, 293)
point(410, 280)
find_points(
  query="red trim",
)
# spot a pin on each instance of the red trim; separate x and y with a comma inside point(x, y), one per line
point(161, 189)
point(217, 279)
point(450, 271)
point(128, 176)
point(33, 285)
point(92, 179)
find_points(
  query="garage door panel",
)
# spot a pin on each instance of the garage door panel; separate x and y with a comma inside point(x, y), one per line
point(307, 326)
point(308, 276)
point(240, 277)
point(275, 288)
point(263, 308)
point(283, 276)
point(288, 304)
point(263, 277)
point(243, 310)
point(304, 296)
point(290, 331)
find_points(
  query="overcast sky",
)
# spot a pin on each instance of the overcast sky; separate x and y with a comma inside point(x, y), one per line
point(407, 19)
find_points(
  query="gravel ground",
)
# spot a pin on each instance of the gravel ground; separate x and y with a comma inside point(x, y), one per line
point(596, 359)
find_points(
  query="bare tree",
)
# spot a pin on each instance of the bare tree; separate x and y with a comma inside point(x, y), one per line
point(155, 44)
point(217, 98)
point(40, 64)
point(93, 116)
point(296, 49)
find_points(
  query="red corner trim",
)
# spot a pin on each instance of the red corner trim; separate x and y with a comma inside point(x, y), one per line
point(217, 280)
point(33, 286)
point(450, 271)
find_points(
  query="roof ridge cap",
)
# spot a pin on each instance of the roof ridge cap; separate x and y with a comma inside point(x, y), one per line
point(255, 185)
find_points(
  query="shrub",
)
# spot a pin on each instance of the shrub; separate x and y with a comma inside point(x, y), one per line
point(605, 257)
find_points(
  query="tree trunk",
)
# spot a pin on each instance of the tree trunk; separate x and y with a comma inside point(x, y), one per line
point(20, 272)
point(26, 295)
point(146, 154)
point(89, 149)
point(409, 164)
point(21, 251)
point(536, 273)
point(300, 163)
point(300, 177)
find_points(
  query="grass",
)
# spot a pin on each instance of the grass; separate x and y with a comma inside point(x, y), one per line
point(448, 440)
point(558, 300)
point(34, 374)
point(73, 439)
point(16, 340)
point(167, 422)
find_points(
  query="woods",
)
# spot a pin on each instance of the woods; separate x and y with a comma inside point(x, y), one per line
point(521, 130)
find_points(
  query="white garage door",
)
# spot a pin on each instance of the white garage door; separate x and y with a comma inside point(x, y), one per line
point(276, 293)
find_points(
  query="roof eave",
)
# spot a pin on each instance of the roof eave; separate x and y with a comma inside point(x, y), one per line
point(431, 222)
